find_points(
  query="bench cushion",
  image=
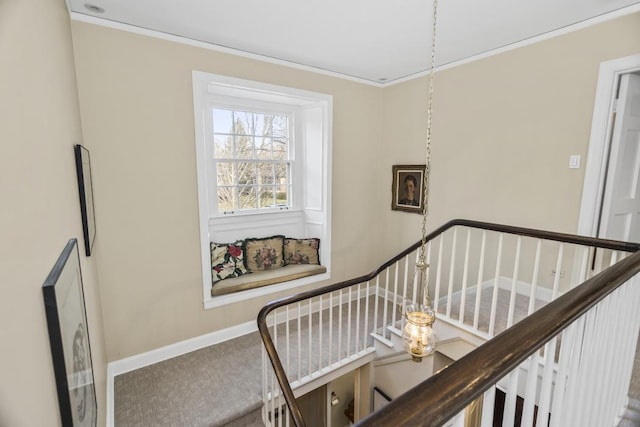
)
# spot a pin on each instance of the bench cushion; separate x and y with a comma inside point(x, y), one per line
point(265, 277)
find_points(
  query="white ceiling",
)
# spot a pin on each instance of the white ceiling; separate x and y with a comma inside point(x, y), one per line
point(374, 40)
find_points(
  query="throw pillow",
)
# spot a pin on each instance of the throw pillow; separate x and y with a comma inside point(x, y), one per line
point(263, 254)
point(301, 251)
point(227, 260)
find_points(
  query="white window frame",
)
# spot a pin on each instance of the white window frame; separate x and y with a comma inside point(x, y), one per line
point(310, 213)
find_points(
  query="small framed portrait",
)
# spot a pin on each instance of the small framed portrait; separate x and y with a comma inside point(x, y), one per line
point(407, 191)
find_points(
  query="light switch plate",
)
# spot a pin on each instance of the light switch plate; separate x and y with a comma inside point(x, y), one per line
point(574, 161)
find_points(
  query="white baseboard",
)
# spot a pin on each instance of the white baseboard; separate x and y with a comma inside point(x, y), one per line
point(522, 288)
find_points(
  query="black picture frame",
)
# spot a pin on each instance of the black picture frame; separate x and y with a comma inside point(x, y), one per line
point(85, 189)
point(404, 175)
point(69, 339)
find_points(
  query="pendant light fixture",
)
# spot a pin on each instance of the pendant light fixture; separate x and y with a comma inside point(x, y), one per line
point(418, 316)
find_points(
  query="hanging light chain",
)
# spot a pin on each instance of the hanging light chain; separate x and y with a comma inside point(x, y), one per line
point(422, 263)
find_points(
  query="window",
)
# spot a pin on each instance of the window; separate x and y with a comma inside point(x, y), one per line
point(263, 167)
point(252, 160)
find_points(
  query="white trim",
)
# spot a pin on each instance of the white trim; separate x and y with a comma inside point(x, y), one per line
point(522, 288)
point(299, 221)
point(526, 42)
point(80, 17)
point(595, 166)
point(178, 349)
point(110, 403)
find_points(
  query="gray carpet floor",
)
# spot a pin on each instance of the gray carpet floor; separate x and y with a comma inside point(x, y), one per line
point(217, 385)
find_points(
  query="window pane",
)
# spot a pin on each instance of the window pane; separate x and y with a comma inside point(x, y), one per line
point(222, 121)
point(266, 173)
point(267, 194)
point(246, 173)
point(226, 173)
point(282, 195)
point(259, 124)
point(227, 198)
point(280, 149)
point(248, 198)
point(244, 147)
point(279, 125)
point(244, 123)
point(263, 148)
point(223, 146)
point(282, 173)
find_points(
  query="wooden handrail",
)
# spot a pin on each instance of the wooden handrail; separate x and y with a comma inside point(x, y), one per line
point(268, 308)
point(442, 396)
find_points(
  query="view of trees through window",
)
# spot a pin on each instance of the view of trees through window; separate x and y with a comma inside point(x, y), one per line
point(253, 164)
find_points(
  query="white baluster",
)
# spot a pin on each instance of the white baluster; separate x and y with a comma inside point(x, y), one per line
point(534, 280)
point(510, 399)
point(320, 328)
point(358, 318)
point(514, 283)
point(366, 316)
point(556, 276)
point(386, 303)
point(340, 327)
point(476, 310)
point(547, 381)
point(310, 343)
point(530, 390)
point(349, 322)
point(494, 299)
point(436, 297)
point(395, 294)
point(488, 403)
point(452, 265)
point(465, 275)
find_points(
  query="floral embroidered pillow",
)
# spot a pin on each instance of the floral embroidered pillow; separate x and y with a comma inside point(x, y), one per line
point(227, 260)
point(263, 254)
point(301, 251)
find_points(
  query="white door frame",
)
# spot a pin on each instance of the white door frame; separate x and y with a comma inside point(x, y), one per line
point(601, 124)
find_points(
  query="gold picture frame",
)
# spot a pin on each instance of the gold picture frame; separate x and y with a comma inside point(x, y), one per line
point(407, 190)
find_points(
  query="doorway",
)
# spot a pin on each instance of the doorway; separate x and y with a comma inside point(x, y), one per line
point(611, 193)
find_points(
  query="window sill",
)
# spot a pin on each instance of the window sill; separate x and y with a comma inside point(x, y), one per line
point(222, 300)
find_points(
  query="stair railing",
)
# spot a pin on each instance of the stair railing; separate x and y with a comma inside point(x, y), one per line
point(474, 264)
point(599, 322)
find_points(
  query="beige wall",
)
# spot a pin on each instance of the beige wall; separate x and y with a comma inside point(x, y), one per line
point(39, 123)
point(504, 128)
point(137, 111)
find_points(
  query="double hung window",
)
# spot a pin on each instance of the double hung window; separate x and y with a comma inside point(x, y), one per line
point(253, 160)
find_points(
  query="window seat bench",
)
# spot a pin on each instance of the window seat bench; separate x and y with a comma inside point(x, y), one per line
point(265, 277)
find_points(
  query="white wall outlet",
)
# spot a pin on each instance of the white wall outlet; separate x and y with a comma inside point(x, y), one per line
point(553, 272)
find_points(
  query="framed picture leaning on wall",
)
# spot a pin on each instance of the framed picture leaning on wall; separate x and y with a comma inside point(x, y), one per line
point(69, 339)
point(407, 191)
